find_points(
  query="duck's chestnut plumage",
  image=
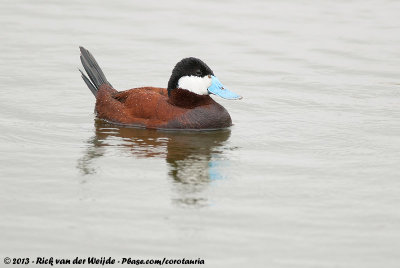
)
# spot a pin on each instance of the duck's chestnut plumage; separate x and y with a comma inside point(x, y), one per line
point(159, 108)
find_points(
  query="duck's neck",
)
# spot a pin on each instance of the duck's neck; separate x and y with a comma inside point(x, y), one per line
point(187, 99)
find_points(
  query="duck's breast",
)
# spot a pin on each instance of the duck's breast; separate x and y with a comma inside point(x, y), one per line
point(211, 116)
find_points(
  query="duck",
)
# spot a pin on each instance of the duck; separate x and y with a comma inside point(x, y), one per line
point(184, 105)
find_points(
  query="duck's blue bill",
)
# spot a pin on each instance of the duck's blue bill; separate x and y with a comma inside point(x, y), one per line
point(218, 88)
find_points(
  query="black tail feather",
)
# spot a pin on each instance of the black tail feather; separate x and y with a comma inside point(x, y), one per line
point(88, 83)
point(93, 70)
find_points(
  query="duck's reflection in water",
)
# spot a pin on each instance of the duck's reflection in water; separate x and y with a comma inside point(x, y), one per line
point(193, 157)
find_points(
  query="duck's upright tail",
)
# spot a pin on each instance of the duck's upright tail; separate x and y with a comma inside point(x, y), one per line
point(93, 70)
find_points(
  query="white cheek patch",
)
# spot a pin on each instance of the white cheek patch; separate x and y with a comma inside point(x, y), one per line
point(195, 84)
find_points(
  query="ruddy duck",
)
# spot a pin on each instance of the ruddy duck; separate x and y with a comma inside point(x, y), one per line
point(185, 104)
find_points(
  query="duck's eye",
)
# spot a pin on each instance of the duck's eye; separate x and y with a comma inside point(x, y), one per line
point(199, 73)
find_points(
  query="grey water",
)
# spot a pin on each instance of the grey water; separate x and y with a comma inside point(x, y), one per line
point(308, 176)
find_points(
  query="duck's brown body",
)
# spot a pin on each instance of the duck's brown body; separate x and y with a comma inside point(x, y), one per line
point(151, 107)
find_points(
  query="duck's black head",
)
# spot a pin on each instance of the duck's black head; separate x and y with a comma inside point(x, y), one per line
point(194, 75)
point(188, 69)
